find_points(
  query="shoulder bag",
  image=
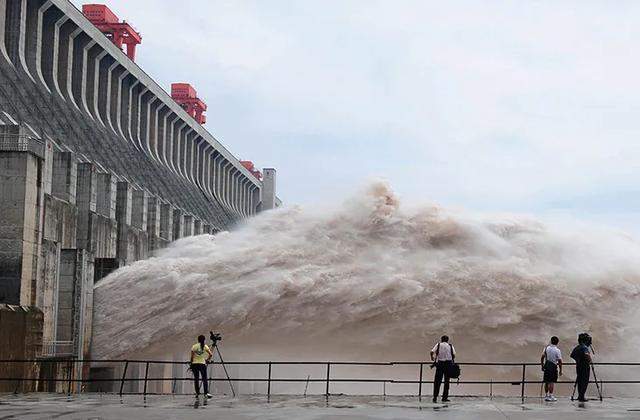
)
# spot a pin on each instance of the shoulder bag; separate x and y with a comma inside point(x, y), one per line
point(454, 368)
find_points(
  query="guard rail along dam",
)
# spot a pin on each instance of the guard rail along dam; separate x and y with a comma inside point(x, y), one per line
point(99, 167)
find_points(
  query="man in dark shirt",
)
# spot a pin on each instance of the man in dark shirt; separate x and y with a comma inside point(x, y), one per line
point(581, 354)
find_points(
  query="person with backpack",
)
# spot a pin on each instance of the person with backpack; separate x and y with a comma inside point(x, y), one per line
point(442, 355)
point(551, 362)
point(200, 355)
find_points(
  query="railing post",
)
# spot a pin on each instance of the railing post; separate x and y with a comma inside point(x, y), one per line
point(269, 382)
point(174, 379)
point(146, 375)
point(124, 373)
point(328, 374)
point(420, 384)
point(524, 367)
point(69, 377)
point(306, 386)
point(211, 378)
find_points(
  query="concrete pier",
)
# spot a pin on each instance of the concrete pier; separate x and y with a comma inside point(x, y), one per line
point(188, 224)
point(20, 186)
point(166, 221)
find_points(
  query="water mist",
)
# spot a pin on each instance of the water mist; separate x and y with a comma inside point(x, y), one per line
point(373, 281)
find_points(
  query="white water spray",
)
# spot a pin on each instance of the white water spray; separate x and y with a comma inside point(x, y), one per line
point(373, 281)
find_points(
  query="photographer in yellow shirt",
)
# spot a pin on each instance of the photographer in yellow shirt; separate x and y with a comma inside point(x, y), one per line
point(200, 356)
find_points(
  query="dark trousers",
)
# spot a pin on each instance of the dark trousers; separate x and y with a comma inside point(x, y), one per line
point(582, 381)
point(200, 370)
point(442, 371)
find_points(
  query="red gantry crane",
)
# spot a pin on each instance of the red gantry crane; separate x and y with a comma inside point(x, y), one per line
point(187, 97)
point(251, 168)
point(120, 33)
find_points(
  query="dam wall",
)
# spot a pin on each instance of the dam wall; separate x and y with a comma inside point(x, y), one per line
point(99, 167)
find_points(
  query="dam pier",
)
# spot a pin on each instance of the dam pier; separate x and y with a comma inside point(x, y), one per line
point(99, 167)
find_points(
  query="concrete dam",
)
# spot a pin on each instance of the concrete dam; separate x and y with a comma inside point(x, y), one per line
point(99, 167)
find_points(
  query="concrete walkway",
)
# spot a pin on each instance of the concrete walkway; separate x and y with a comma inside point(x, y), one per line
point(100, 406)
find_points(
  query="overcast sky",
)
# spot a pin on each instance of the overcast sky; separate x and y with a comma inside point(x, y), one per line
point(521, 106)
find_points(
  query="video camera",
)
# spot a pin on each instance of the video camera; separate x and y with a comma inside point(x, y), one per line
point(585, 339)
point(215, 337)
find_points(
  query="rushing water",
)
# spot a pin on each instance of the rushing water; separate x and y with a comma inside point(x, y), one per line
point(372, 280)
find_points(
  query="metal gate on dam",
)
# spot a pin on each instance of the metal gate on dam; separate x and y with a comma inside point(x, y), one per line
point(99, 166)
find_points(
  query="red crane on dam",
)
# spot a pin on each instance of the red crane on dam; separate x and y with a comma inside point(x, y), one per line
point(120, 33)
point(251, 168)
point(187, 97)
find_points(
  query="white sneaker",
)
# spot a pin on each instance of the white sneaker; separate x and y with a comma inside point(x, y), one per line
point(209, 396)
point(553, 398)
point(548, 398)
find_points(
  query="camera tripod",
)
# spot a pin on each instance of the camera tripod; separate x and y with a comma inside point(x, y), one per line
point(595, 379)
point(214, 343)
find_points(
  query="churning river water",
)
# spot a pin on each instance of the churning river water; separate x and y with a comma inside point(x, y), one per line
point(371, 280)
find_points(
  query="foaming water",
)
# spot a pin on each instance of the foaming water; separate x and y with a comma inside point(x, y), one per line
point(374, 281)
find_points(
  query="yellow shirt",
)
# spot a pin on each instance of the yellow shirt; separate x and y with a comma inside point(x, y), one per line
point(200, 355)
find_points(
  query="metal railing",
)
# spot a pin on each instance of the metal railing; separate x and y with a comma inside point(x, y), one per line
point(21, 143)
point(68, 376)
point(57, 349)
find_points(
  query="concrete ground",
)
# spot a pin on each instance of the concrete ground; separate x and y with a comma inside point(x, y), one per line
point(101, 406)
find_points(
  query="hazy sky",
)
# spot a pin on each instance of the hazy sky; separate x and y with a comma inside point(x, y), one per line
point(526, 106)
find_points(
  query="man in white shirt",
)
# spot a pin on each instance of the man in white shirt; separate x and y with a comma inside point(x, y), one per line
point(551, 360)
point(442, 355)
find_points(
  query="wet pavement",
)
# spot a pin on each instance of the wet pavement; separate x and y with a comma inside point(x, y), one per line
point(107, 406)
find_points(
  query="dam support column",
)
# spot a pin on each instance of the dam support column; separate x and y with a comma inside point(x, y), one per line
point(153, 224)
point(178, 224)
point(21, 334)
point(86, 200)
point(188, 225)
point(256, 200)
point(93, 259)
point(139, 214)
point(104, 227)
point(107, 195)
point(197, 227)
point(166, 222)
point(59, 233)
point(64, 176)
point(75, 305)
point(21, 164)
point(139, 209)
point(131, 217)
point(123, 217)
